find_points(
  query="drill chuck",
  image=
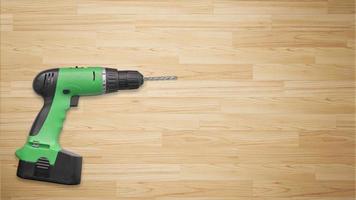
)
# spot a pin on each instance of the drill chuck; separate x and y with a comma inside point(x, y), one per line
point(115, 80)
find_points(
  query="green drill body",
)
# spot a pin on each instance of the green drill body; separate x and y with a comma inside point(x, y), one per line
point(42, 158)
point(79, 82)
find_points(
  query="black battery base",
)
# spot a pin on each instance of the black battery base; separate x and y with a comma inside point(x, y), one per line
point(66, 170)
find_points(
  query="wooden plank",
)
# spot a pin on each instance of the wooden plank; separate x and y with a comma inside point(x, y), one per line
point(291, 38)
point(186, 188)
point(270, 7)
point(341, 7)
point(303, 72)
point(145, 7)
point(331, 22)
point(308, 188)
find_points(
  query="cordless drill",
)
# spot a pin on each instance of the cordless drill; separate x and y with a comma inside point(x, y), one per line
point(42, 158)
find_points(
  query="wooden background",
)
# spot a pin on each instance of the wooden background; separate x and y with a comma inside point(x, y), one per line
point(263, 108)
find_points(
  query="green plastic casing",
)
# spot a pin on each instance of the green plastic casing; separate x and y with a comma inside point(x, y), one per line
point(75, 81)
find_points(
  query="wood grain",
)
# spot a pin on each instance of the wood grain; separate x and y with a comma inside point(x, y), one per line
point(263, 108)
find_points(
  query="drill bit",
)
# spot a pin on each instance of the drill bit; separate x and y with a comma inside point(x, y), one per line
point(160, 78)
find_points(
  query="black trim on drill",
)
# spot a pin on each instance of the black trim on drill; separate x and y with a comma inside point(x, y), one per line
point(45, 85)
point(112, 83)
point(66, 170)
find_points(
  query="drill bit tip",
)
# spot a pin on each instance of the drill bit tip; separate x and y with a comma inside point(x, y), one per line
point(160, 78)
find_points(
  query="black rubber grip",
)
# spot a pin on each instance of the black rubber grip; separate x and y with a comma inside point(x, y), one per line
point(41, 117)
point(45, 85)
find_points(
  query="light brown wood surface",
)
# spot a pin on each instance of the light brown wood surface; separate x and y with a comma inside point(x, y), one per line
point(263, 108)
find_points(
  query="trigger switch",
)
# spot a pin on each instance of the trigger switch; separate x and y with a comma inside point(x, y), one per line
point(74, 101)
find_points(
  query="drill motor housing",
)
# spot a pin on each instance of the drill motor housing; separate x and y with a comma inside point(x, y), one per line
point(41, 157)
